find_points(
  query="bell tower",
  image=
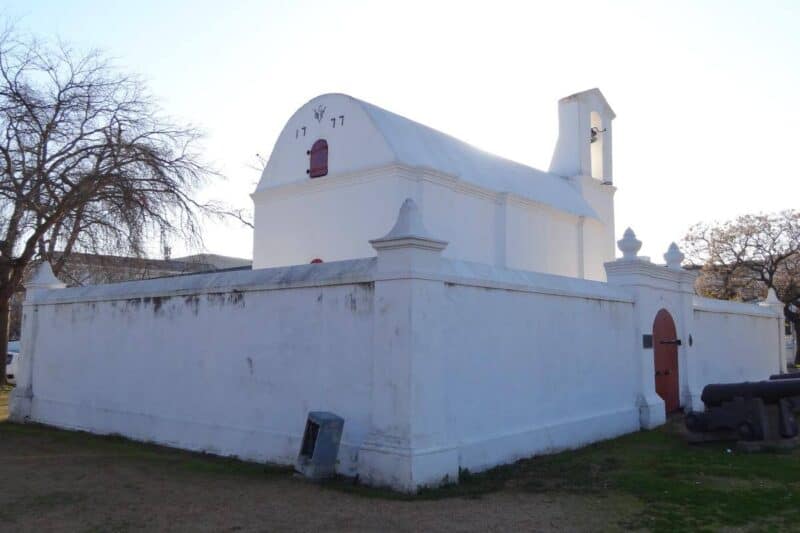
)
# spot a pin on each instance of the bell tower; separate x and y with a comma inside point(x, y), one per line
point(584, 137)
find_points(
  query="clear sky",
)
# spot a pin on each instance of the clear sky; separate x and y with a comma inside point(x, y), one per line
point(705, 92)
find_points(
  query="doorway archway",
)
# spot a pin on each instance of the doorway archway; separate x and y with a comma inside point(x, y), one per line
point(665, 358)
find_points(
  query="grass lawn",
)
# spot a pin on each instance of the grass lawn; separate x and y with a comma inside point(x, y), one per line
point(648, 481)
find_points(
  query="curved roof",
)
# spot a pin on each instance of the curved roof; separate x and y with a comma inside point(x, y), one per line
point(416, 145)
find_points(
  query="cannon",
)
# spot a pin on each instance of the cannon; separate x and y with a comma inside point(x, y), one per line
point(749, 411)
point(791, 375)
point(795, 400)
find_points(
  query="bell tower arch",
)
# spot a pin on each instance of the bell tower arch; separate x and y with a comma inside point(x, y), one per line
point(584, 137)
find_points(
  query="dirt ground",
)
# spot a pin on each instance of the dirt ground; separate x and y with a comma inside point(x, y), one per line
point(53, 482)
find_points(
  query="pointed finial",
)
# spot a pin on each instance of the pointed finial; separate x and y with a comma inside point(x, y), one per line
point(408, 247)
point(674, 257)
point(772, 297)
point(408, 230)
point(629, 245)
point(44, 278)
point(408, 224)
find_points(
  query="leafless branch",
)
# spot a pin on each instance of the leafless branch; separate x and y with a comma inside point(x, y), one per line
point(87, 162)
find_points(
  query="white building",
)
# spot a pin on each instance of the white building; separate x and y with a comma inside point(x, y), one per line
point(341, 167)
point(469, 312)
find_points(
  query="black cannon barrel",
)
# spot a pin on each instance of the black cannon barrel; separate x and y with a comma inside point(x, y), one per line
point(768, 391)
point(791, 375)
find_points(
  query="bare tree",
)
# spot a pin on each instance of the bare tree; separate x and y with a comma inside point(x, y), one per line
point(87, 163)
point(741, 259)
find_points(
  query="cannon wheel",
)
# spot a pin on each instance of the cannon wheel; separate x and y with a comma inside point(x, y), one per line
point(745, 431)
point(696, 422)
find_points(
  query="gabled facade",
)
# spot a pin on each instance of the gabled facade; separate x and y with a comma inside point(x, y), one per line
point(342, 167)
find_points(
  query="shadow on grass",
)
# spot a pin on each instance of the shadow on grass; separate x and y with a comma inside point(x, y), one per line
point(123, 448)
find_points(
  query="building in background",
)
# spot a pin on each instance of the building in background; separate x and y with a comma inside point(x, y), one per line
point(82, 269)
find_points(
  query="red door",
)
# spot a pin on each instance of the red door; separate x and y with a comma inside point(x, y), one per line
point(665, 348)
point(318, 159)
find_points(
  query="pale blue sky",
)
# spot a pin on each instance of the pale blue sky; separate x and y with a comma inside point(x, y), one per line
point(706, 92)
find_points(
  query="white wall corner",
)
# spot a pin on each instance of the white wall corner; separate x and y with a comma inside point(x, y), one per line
point(772, 302)
point(688, 279)
point(408, 247)
point(20, 404)
point(383, 464)
point(651, 411)
point(21, 401)
point(693, 401)
point(44, 279)
point(407, 446)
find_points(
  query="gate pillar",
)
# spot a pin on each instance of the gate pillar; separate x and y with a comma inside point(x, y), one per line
point(22, 398)
point(654, 287)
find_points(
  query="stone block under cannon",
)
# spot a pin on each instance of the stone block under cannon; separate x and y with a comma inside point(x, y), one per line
point(749, 411)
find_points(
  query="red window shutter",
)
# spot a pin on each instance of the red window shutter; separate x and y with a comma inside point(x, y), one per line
point(318, 156)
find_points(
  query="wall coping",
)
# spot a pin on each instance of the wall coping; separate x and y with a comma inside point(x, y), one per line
point(483, 275)
point(640, 272)
point(711, 305)
point(298, 276)
point(353, 271)
point(646, 268)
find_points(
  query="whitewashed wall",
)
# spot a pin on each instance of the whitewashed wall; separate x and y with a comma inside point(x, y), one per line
point(296, 223)
point(435, 364)
point(334, 219)
point(225, 363)
point(721, 342)
point(599, 233)
point(735, 342)
point(536, 367)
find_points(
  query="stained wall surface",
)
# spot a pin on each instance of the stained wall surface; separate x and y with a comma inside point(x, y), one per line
point(456, 365)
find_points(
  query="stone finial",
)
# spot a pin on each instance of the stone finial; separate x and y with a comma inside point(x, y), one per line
point(408, 247)
point(629, 245)
point(409, 229)
point(674, 257)
point(772, 298)
point(44, 278)
point(408, 224)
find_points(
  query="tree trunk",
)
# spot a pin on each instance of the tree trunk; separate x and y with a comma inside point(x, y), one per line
point(5, 307)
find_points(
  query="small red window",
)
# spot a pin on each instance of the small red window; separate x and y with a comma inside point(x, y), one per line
point(318, 156)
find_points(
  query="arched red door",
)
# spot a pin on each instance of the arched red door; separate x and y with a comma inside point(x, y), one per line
point(665, 348)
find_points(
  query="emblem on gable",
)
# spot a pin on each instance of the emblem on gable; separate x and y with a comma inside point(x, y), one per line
point(319, 112)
